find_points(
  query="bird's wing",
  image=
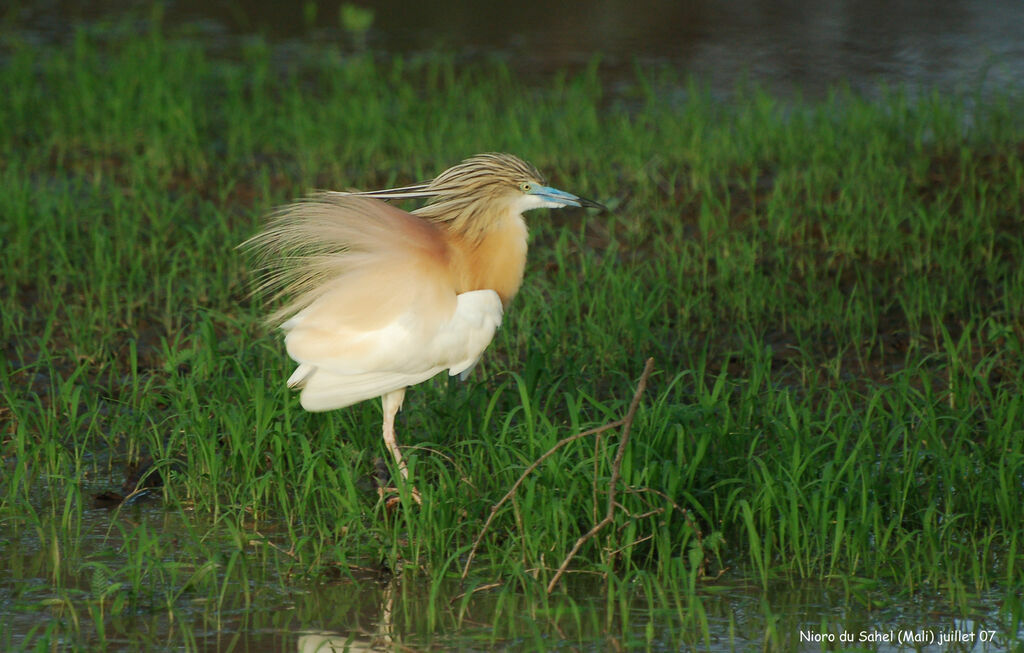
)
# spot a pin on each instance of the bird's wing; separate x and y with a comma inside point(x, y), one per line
point(343, 365)
point(335, 243)
point(373, 302)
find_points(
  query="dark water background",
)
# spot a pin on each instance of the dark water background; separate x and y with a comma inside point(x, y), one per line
point(797, 45)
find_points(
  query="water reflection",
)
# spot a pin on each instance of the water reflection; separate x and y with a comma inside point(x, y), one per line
point(802, 45)
point(382, 636)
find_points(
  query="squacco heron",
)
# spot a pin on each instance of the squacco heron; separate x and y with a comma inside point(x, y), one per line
point(380, 299)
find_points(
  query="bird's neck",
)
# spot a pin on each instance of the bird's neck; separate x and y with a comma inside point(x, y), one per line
point(494, 260)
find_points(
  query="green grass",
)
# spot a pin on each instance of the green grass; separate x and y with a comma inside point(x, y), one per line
point(832, 292)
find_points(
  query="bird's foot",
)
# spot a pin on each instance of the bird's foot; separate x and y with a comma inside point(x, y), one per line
point(387, 491)
point(391, 497)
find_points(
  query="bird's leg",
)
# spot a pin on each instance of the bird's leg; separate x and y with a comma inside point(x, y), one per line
point(391, 403)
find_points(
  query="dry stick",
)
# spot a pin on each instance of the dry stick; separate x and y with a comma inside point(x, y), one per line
point(515, 486)
point(482, 588)
point(561, 443)
point(627, 424)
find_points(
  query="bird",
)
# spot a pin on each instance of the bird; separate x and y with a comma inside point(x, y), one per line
point(378, 299)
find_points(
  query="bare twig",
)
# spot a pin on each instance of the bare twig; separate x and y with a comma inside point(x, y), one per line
point(547, 454)
point(686, 515)
point(482, 588)
point(633, 543)
point(627, 424)
point(597, 462)
point(636, 518)
point(515, 486)
point(267, 542)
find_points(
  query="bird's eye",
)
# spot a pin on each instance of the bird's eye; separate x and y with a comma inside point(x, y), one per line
point(525, 186)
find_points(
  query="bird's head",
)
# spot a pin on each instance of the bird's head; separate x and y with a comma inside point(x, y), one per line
point(487, 187)
point(535, 195)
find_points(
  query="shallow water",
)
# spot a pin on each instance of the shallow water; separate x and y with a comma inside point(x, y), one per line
point(245, 603)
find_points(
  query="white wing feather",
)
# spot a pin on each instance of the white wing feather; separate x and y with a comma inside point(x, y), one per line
point(407, 350)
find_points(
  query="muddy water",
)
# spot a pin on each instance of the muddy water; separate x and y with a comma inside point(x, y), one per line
point(244, 600)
